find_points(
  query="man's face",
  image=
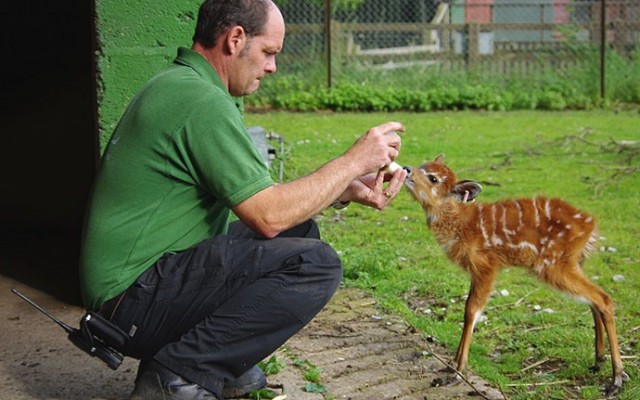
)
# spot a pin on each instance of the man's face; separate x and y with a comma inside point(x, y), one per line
point(258, 57)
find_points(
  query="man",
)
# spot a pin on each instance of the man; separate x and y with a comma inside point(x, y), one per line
point(202, 299)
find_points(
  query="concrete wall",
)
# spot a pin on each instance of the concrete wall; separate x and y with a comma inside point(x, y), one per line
point(52, 104)
point(137, 39)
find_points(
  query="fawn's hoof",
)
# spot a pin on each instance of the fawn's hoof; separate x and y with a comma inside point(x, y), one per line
point(600, 361)
point(615, 387)
point(595, 368)
point(451, 380)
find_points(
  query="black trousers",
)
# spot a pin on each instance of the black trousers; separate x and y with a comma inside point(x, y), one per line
point(212, 312)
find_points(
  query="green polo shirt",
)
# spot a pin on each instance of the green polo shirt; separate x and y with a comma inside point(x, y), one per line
point(178, 160)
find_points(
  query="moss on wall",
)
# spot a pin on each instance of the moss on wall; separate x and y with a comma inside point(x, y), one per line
point(137, 38)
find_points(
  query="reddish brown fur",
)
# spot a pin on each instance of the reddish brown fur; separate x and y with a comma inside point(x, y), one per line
point(549, 237)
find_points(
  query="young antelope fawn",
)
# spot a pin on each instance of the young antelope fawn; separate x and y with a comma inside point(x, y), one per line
point(547, 236)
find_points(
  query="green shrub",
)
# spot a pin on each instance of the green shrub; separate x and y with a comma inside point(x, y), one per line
point(428, 89)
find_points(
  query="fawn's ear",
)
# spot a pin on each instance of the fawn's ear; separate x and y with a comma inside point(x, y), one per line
point(439, 159)
point(466, 191)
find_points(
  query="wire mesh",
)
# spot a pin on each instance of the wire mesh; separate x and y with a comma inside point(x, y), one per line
point(490, 38)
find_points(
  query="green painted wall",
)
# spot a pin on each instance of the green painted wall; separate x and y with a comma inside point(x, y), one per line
point(457, 12)
point(137, 38)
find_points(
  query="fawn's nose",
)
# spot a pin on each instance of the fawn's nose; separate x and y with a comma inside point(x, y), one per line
point(408, 169)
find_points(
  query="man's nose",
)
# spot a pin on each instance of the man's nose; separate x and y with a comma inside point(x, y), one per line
point(271, 67)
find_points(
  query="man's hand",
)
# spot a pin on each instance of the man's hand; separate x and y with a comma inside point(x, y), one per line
point(354, 176)
point(376, 149)
point(370, 189)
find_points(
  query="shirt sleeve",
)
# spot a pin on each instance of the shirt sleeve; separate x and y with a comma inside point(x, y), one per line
point(220, 154)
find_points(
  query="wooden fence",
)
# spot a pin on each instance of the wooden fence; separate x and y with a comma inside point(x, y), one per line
point(469, 41)
point(470, 46)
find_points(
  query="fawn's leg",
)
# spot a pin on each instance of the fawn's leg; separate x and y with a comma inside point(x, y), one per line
point(570, 279)
point(479, 292)
point(599, 342)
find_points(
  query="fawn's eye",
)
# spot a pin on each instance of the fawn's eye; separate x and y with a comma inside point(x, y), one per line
point(432, 178)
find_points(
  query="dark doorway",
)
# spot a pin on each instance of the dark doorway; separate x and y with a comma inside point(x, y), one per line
point(49, 131)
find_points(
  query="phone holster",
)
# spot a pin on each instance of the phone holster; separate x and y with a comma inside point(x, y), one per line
point(100, 338)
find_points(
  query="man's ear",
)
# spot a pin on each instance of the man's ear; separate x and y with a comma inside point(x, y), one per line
point(236, 39)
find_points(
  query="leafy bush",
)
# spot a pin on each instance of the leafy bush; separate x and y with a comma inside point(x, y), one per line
point(427, 89)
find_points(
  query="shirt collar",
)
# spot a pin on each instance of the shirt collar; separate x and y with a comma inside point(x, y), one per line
point(199, 64)
point(195, 61)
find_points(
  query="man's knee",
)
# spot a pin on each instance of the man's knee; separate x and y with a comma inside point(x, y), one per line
point(319, 275)
point(323, 261)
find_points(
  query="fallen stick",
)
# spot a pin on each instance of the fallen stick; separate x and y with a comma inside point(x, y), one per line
point(538, 384)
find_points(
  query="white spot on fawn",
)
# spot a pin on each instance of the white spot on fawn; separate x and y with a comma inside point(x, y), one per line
point(525, 245)
point(520, 216)
point(485, 236)
point(547, 209)
point(505, 229)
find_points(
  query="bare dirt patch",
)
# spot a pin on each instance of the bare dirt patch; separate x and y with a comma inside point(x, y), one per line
point(361, 352)
point(366, 354)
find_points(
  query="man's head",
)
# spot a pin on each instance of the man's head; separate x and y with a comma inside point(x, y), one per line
point(216, 17)
point(241, 39)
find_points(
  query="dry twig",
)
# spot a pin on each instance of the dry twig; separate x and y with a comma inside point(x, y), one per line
point(451, 368)
point(535, 364)
point(538, 383)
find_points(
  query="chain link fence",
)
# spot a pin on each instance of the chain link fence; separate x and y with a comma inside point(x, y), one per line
point(494, 39)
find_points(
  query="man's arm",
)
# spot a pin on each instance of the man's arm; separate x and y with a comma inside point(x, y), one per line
point(282, 206)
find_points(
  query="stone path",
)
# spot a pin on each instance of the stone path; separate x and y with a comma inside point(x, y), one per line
point(361, 353)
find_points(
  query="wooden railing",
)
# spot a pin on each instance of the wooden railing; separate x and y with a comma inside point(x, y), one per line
point(469, 43)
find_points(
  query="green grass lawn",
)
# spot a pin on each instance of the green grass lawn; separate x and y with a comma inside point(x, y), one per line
point(531, 334)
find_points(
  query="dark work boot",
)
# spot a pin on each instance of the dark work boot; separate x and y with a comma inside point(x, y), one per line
point(253, 379)
point(156, 382)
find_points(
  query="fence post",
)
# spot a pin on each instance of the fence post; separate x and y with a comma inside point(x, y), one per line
point(473, 41)
point(603, 46)
point(327, 38)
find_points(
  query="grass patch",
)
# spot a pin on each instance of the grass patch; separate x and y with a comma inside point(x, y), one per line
point(532, 334)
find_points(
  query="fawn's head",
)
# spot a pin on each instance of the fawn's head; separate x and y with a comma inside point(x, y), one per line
point(433, 182)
